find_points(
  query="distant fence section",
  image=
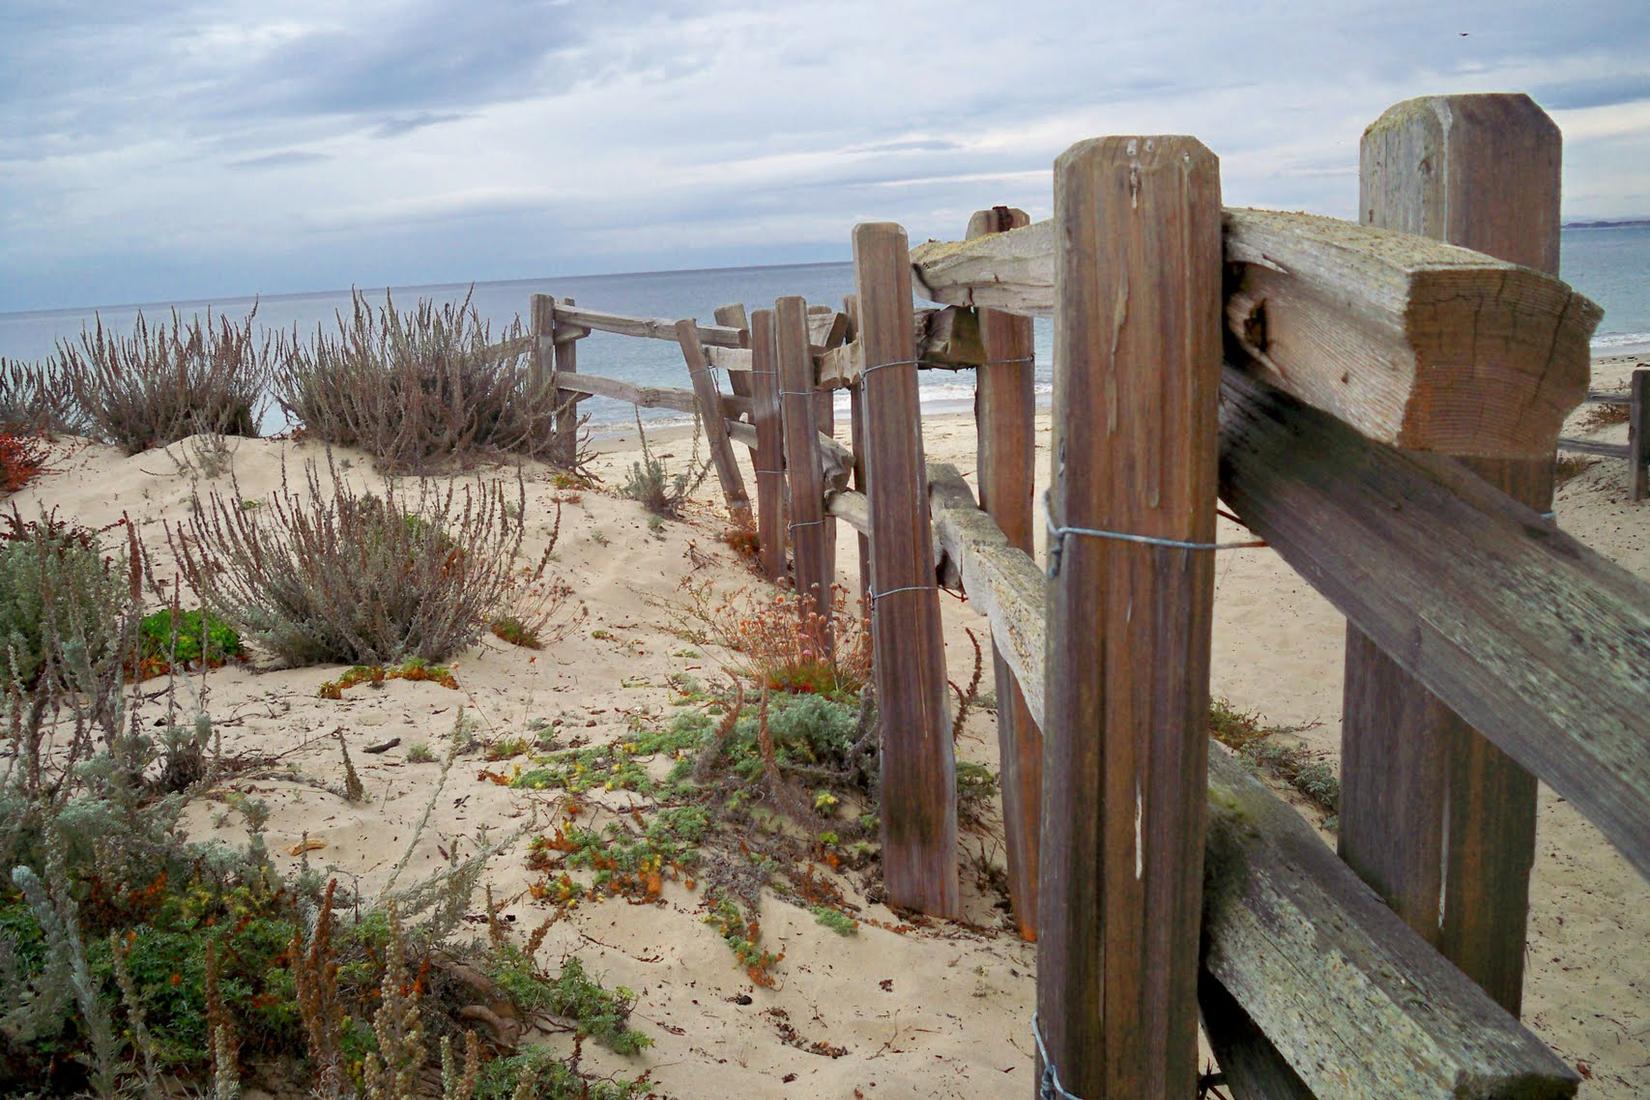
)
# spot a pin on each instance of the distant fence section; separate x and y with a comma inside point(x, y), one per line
point(1381, 404)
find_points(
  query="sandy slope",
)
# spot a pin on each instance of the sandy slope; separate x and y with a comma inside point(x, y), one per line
point(930, 1013)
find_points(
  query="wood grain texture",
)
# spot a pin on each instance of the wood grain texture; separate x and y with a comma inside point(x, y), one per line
point(856, 429)
point(1524, 632)
point(1137, 352)
point(653, 328)
point(946, 338)
point(1005, 411)
point(1638, 436)
point(1393, 333)
point(709, 400)
point(919, 793)
point(768, 457)
point(1341, 989)
point(647, 397)
point(802, 456)
point(733, 316)
point(1478, 171)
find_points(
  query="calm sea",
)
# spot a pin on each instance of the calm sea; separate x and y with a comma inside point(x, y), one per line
point(1612, 266)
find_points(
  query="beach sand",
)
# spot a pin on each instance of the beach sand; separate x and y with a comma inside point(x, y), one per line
point(935, 1012)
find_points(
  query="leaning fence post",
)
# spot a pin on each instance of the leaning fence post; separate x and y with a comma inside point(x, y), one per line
point(1005, 412)
point(1137, 331)
point(802, 463)
point(768, 460)
point(1638, 434)
point(711, 416)
point(919, 787)
point(1430, 808)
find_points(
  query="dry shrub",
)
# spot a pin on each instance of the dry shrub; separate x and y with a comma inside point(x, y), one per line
point(36, 398)
point(160, 385)
point(657, 489)
point(422, 390)
point(783, 642)
point(1570, 467)
point(342, 575)
point(1603, 415)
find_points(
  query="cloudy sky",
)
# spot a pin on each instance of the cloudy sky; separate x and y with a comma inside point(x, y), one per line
point(164, 150)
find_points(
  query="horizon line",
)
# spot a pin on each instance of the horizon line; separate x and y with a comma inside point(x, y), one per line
point(287, 295)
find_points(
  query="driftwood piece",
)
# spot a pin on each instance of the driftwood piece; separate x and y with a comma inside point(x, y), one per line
point(1345, 991)
point(1534, 639)
point(1391, 332)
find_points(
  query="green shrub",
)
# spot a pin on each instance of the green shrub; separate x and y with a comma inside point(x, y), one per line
point(63, 601)
point(661, 492)
point(186, 637)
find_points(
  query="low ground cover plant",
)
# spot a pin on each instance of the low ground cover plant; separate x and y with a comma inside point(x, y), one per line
point(421, 390)
point(162, 384)
point(333, 574)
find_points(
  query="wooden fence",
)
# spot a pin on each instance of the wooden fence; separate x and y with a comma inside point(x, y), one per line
point(1379, 402)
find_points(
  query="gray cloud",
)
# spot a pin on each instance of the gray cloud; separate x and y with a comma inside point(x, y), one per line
point(181, 148)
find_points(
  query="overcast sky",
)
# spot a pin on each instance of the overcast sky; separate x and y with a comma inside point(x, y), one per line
point(166, 150)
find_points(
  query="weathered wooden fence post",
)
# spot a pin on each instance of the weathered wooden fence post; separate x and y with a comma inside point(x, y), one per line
point(856, 440)
point(1137, 316)
point(1005, 411)
point(1430, 808)
point(796, 402)
point(716, 428)
point(919, 786)
point(768, 460)
point(734, 317)
point(552, 357)
point(1638, 434)
point(566, 362)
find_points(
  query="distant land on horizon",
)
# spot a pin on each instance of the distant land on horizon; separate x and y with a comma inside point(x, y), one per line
point(1607, 223)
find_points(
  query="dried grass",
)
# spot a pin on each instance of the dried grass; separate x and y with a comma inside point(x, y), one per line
point(160, 385)
point(422, 390)
point(35, 398)
point(332, 574)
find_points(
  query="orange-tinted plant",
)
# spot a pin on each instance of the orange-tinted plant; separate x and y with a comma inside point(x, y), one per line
point(784, 643)
point(21, 458)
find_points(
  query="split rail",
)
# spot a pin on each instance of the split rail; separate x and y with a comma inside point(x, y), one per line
point(1381, 403)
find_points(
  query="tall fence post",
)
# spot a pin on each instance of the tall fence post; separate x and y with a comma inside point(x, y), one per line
point(567, 402)
point(1005, 412)
point(919, 787)
point(768, 460)
point(856, 440)
point(709, 400)
point(1638, 434)
point(1137, 316)
point(796, 402)
point(1429, 807)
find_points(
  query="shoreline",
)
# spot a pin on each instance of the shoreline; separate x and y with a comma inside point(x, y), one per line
point(611, 437)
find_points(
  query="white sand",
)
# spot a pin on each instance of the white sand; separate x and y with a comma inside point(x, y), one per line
point(938, 1012)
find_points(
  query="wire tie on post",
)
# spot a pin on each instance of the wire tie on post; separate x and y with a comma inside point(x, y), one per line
point(875, 596)
point(1057, 539)
point(1048, 1085)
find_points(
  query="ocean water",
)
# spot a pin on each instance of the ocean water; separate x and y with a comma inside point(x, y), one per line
point(1612, 266)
